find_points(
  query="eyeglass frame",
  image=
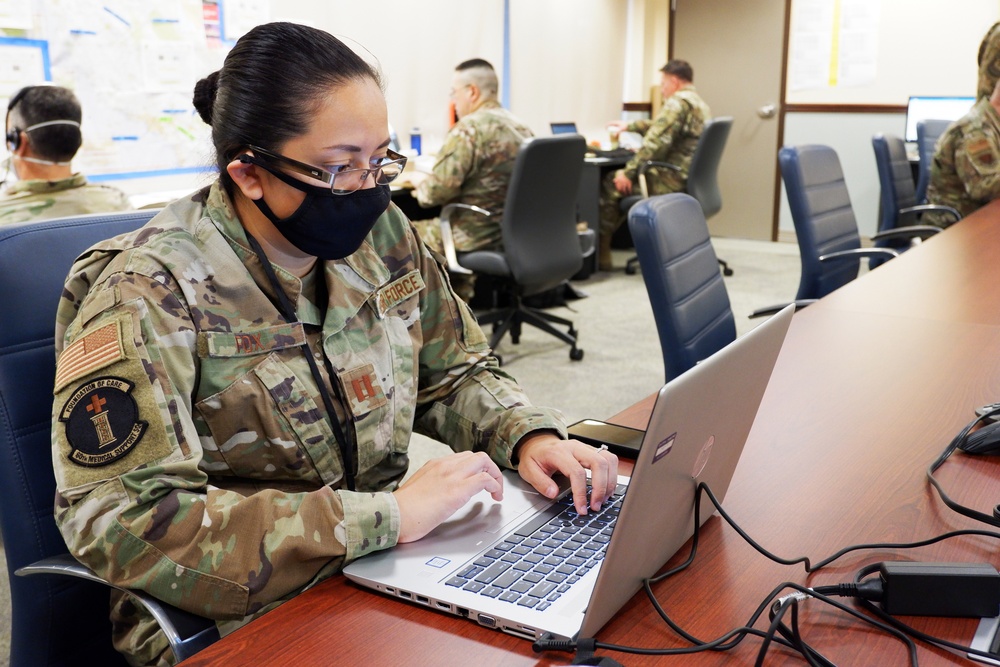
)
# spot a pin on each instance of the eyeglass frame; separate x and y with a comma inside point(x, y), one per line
point(329, 177)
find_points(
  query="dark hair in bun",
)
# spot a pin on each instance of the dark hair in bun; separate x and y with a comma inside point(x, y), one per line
point(204, 96)
point(270, 86)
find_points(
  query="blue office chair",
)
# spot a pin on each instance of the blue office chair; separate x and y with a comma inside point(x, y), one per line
point(898, 202)
point(57, 620)
point(690, 303)
point(825, 227)
point(703, 177)
point(928, 132)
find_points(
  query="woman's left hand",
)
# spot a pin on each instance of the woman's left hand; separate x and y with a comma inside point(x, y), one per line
point(542, 455)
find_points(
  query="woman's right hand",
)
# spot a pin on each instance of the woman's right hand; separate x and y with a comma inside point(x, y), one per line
point(440, 488)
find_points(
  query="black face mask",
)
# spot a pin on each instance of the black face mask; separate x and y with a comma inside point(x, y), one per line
point(326, 225)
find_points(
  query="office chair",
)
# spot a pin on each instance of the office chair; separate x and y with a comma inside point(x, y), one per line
point(703, 177)
point(928, 132)
point(57, 620)
point(541, 246)
point(690, 303)
point(898, 201)
point(825, 227)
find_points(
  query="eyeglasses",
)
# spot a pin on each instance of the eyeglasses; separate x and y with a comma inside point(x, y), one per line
point(455, 91)
point(344, 181)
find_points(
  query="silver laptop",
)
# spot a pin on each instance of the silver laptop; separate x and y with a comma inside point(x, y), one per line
point(571, 584)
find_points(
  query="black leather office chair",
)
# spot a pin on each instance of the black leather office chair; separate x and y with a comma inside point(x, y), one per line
point(928, 132)
point(690, 303)
point(541, 246)
point(57, 620)
point(703, 177)
point(825, 226)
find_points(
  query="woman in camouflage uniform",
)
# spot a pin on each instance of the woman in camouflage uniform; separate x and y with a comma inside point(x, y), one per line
point(239, 380)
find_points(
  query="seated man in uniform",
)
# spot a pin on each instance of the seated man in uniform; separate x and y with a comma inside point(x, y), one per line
point(473, 166)
point(43, 135)
point(670, 137)
point(965, 171)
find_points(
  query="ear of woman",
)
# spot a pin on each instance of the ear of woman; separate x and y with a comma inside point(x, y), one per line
point(246, 177)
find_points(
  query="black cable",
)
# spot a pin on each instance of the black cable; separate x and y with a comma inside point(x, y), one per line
point(772, 630)
point(957, 443)
point(793, 635)
point(732, 638)
point(898, 634)
point(809, 567)
point(812, 656)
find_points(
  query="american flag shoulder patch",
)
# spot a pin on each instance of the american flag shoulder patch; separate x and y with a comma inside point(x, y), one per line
point(101, 347)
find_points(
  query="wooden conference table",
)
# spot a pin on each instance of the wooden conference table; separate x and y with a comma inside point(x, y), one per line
point(871, 384)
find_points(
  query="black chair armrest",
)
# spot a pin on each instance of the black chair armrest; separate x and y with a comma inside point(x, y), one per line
point(448, 240)
point(775, 309)
point(860, 253)
point(911, 232)
point(187, 633)
point(940, 208)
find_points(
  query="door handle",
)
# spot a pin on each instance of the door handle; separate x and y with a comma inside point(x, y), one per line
point(767, 111)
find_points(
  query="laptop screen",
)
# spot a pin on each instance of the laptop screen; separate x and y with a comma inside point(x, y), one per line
point(563, 128)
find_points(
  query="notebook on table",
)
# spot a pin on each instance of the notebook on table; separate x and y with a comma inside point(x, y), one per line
point(532, 567)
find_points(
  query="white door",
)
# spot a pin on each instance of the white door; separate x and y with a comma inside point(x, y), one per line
point(736, 50)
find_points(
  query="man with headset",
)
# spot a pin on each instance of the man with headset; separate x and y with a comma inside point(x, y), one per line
point(43, 134)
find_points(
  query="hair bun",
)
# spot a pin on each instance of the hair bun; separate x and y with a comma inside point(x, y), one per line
point(204, 96)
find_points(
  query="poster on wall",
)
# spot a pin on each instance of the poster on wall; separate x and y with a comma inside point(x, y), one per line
point(834, 43)
point(133, 66)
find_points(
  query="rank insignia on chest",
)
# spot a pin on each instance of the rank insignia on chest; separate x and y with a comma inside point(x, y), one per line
point(102, 422)
point(363, 390)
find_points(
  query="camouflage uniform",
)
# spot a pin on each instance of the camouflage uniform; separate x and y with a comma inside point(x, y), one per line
point(671, 137)
point(37, 199)
point(965, 172)
point(473, 167)
point(193, 456)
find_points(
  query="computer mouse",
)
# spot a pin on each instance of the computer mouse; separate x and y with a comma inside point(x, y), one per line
point(986, 440)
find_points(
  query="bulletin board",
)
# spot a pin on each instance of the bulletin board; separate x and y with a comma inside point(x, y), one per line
point(133, 65)
point(879, 52)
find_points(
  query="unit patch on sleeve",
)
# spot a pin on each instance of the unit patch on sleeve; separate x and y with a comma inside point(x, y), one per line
point(102, 421)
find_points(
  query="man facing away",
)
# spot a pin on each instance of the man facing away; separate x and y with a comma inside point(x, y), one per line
point(473, 166)
point(43, 135)
point(670, 137)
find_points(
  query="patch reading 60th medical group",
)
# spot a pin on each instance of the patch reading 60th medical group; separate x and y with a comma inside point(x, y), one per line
point(102, 421)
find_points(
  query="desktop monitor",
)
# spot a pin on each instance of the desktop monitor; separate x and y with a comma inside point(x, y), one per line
point(563, 128)
point(926, 108)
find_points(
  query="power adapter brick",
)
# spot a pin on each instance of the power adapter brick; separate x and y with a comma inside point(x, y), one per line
point(940, 589)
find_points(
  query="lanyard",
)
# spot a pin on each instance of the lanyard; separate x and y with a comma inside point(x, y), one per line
point(347, 452)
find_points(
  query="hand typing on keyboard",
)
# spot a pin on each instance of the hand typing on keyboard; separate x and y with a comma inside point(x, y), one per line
point(539, 456)
point(440, 488)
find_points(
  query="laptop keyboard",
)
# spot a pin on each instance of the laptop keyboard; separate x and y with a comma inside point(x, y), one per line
point(540, 561)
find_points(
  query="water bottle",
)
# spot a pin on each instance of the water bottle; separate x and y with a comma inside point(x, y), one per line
point(415, 140)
